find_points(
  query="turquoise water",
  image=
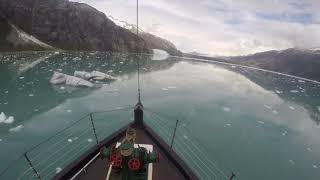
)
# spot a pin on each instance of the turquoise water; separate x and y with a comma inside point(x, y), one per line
point(257, 124)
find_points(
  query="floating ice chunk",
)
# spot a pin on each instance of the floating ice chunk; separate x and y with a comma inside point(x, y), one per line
point(227, 109)
point(110, 71)
point(76, 59)
point(318, 108)
point(267, 106)
point(59, 70)
point(58, 169)
point(279, 92)
point(301, 81)
point(21, 77)
point(95, 75)
point(31, 95)
point(275, 112)
point(228, 124)
point(260, 122)
point(70, 140)
point(6, 92)
point(69, 110)
point(5, 103)
point(315, 166)
point(3, 117)
point(90, 140)
point(292, 108)
point(172, 87)
point(36, 110)
point(294, 91)
point(56, 52)
point(185, 136)
point(9, 120)
point(62, 88)
point(164, 89)
point(291, 162)
point(284, 133)
point(16, 129)
point(60, 78)
point(0, 140)
point(309, 149)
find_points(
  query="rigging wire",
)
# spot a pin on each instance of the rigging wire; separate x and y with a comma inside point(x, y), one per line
point(137, 27)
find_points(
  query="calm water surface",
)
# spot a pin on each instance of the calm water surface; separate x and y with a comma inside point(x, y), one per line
point(257, 124)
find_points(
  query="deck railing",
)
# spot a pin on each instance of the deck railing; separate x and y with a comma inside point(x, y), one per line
point(48, 158)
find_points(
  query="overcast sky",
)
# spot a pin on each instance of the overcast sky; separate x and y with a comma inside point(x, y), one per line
point(224, 27)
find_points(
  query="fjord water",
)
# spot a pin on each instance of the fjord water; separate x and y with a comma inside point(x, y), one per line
point(257, 124)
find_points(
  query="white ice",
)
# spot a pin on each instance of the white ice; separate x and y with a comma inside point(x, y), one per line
point(294, 91)
point(69, 110)
point(31, 95)
point(3, 117)
point(164, 89)
point(89, 140)
point(159, 55)
point(291, 161)
point(58, 169)
point(314, 166)
point(267, 106)
point(284, 133)
point(16, 129)
point(60, 78)
point(227, 109)
point(292, 108)
point(318, 108)
point(260, 122)
point(9, 120)
point(95, 75)
point(70, 140)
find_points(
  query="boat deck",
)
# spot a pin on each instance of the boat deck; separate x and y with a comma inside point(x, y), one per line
point(164, 169)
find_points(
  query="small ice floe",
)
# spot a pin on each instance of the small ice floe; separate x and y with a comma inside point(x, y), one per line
point(60, 70)
point(292, 162)
point(36, 110)
point(110, 71)
point(5, 103)
point(21, 77)
point(6, 92)
point(294, 91)
point(65, 58)
point(5, 119)
point(185, 136)
point(292, 108)
point(309, 149)
point(260, 122)
point(60, 78)
point(284, 133)
point(95, 75)
point(267, 106)
point(279, 92)
point(16, 129)
point(275, 112)
point(172, 87)
point(69, 110)
point(62, 88)
point(31, 95)
point(0, 140)
point(76, 59)
point(227, 109)
point(318, 108)
point(301, 81)
point(228, 124)
point(89, 140)
point(315, 166)
point(69, 140)
point(164, 89)
point(58, 169)
point(57, 52)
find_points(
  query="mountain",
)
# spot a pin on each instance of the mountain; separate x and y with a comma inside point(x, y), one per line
point(69, 26)
point(152, 41)
point(298, 62)
point(13, 38)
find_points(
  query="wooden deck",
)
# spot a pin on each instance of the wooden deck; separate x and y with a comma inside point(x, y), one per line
point(163, 170)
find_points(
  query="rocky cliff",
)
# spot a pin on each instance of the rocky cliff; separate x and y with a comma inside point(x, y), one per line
point(70, 26)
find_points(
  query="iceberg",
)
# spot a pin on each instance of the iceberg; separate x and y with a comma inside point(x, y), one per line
point(95, 75)
point(3, 117)
point(16, 129)
point(60, 78)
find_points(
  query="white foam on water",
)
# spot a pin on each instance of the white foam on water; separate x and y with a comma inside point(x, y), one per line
point(227, 109)
point(164, 89)
point(31, 95)
point(58, 169)
point(292, 108)
point(16, 129)
point(70, 140)
point(9, 120)
point(260, 122)
point(89, 140)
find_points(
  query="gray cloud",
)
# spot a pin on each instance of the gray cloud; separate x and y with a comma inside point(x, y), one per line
point(224, 27)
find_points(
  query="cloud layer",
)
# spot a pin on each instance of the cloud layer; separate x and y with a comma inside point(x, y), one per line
point(224, 27)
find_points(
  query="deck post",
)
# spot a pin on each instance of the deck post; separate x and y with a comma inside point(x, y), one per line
point(94, 129)
point(174, 134)
point(138, 115)
point(31, 166)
